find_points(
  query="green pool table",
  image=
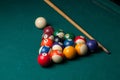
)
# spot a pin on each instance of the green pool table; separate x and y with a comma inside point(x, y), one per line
point(20, 39)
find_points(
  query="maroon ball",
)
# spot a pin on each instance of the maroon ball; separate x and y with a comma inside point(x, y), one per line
point(48, 30)
point(49, 36)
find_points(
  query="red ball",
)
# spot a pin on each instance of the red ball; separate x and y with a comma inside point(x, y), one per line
point(47, 42)
point(44, 59)
point(79, 39)
point(48, 30)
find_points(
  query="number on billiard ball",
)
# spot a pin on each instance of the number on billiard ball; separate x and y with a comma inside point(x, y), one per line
point(69, 36)
point(57, 46)
point(44, 59)
point(46, 35)
point(68, 42)
point(44, 49)
point(81, 49)
point(56, 56)
point(79, 39)
point(47, 42)
point(60, 33)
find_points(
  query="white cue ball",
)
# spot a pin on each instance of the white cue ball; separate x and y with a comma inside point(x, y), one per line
point(40, 22)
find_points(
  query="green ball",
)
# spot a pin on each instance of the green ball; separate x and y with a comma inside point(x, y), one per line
point(69, 36)
point(60, 33)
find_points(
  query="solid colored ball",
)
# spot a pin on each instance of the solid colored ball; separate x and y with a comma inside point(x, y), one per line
point(57, 46)
point(79, 39)
point(49, 36)
point(92, 45)
point(69, 36)
point(68, 42)
point(44, 49)
point(57, 39)
point(44, 59)
point(48, 30)
point(56, 56)
point(81, 49)
point(40, 22)
point(60, 33)
point(47, 42)
point(69, 52)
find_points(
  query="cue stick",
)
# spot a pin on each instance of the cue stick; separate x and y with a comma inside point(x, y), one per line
point(74, 24)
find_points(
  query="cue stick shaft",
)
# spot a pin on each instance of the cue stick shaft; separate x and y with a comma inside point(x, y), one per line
point(74, 24)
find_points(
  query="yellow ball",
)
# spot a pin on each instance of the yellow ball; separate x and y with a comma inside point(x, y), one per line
point(69, 52)
point(81, 49)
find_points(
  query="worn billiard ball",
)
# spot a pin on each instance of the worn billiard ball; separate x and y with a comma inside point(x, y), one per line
point(47, 42)
point(47, 35)
point(79, 39)
point(92, 45)
point(40, 22)
point(56, 56)
point(81, 49)
point(69, 36)
point(44, 49)
point(68, 42)
point(44, 59)
point(48, 30)
point(57, 46)
point(69, 52)
point(60, 33)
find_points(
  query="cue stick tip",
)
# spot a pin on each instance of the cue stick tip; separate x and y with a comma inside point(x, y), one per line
point(108, 52)
point(105, 50)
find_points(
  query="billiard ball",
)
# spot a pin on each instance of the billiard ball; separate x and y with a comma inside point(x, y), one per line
point(79, 39)
point(60, 33)
point(92, 45)
point(57, 46)
point(46, 35)
point(58, 39)
point(44, 49)
point(68, 42)
point(44, 59)
point(69, 36)
point(47, 42)
point(56, 56)
point(40, 22)
point(69, 52)
point(81, 49)
point(48, 30)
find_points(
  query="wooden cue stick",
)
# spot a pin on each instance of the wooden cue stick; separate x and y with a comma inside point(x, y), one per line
point(74, 24)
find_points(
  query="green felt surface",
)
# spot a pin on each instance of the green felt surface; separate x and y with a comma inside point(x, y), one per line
point(19, 39)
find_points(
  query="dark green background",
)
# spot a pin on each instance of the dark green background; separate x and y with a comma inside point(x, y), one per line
point(19, 39)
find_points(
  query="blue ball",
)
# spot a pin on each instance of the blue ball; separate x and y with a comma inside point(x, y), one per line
point(44, 49)
point(92, 45)
point(68, 42)
point(59, 43)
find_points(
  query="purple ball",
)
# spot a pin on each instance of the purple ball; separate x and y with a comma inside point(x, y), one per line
point(92, 45)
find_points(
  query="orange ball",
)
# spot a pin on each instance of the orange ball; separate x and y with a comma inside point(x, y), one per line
point(81, 49)
point(56, 56)
point(47, 42)
point(69, 52)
